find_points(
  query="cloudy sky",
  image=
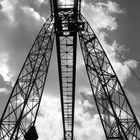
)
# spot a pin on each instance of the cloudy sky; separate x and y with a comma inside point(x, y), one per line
point(116, 23)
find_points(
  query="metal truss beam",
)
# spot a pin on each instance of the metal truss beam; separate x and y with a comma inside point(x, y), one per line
point(65, 17)
point(23, 104)
point(66, 38)
point(117, 117)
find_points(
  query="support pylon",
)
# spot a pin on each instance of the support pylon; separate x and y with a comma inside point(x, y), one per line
point(22, 107)
point(66, 21)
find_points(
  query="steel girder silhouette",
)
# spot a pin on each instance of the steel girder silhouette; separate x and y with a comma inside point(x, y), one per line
point(22, 107)
point(66, 21)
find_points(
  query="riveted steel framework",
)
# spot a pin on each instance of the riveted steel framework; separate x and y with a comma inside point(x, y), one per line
point(117, 117)
point(23, 104)
point(18, 119)
point(66, 37)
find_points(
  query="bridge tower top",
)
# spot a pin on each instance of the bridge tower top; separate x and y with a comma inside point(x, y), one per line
point(57, 5)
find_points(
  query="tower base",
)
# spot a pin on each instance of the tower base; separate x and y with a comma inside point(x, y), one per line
point(31, 134)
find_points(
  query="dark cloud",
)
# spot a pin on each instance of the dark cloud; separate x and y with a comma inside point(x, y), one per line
point(44, 10)
point(88, 103)
point(0, 6)
point(87, 97)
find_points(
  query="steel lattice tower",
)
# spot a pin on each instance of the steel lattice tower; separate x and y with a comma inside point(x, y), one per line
point(66, 21)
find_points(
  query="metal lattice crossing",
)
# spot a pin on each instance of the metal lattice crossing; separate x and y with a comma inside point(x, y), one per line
point(65, 24)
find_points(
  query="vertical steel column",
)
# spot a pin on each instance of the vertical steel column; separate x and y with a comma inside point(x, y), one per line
point(66, 38)
point(21, 110)
point(117, 117)
point(66, 52)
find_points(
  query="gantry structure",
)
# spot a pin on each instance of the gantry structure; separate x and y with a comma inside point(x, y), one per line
point(66, 25)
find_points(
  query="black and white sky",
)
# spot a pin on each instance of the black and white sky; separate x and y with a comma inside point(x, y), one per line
point(117, 25)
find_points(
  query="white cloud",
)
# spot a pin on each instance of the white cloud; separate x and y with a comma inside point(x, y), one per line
point(18, 22)
point(43, 1)
point(4, 90)
point(4, 68)
point(31, 12)
point(87, 126)
point(111, 7)
point(14, 9)
point(39, 2)
point(31, 18)
point(66, 2)
point(121, 67)
point(49, 121)
point(100, 14)
point(8, 10)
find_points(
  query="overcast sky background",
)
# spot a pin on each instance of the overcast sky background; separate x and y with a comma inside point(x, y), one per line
point(116, 23)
